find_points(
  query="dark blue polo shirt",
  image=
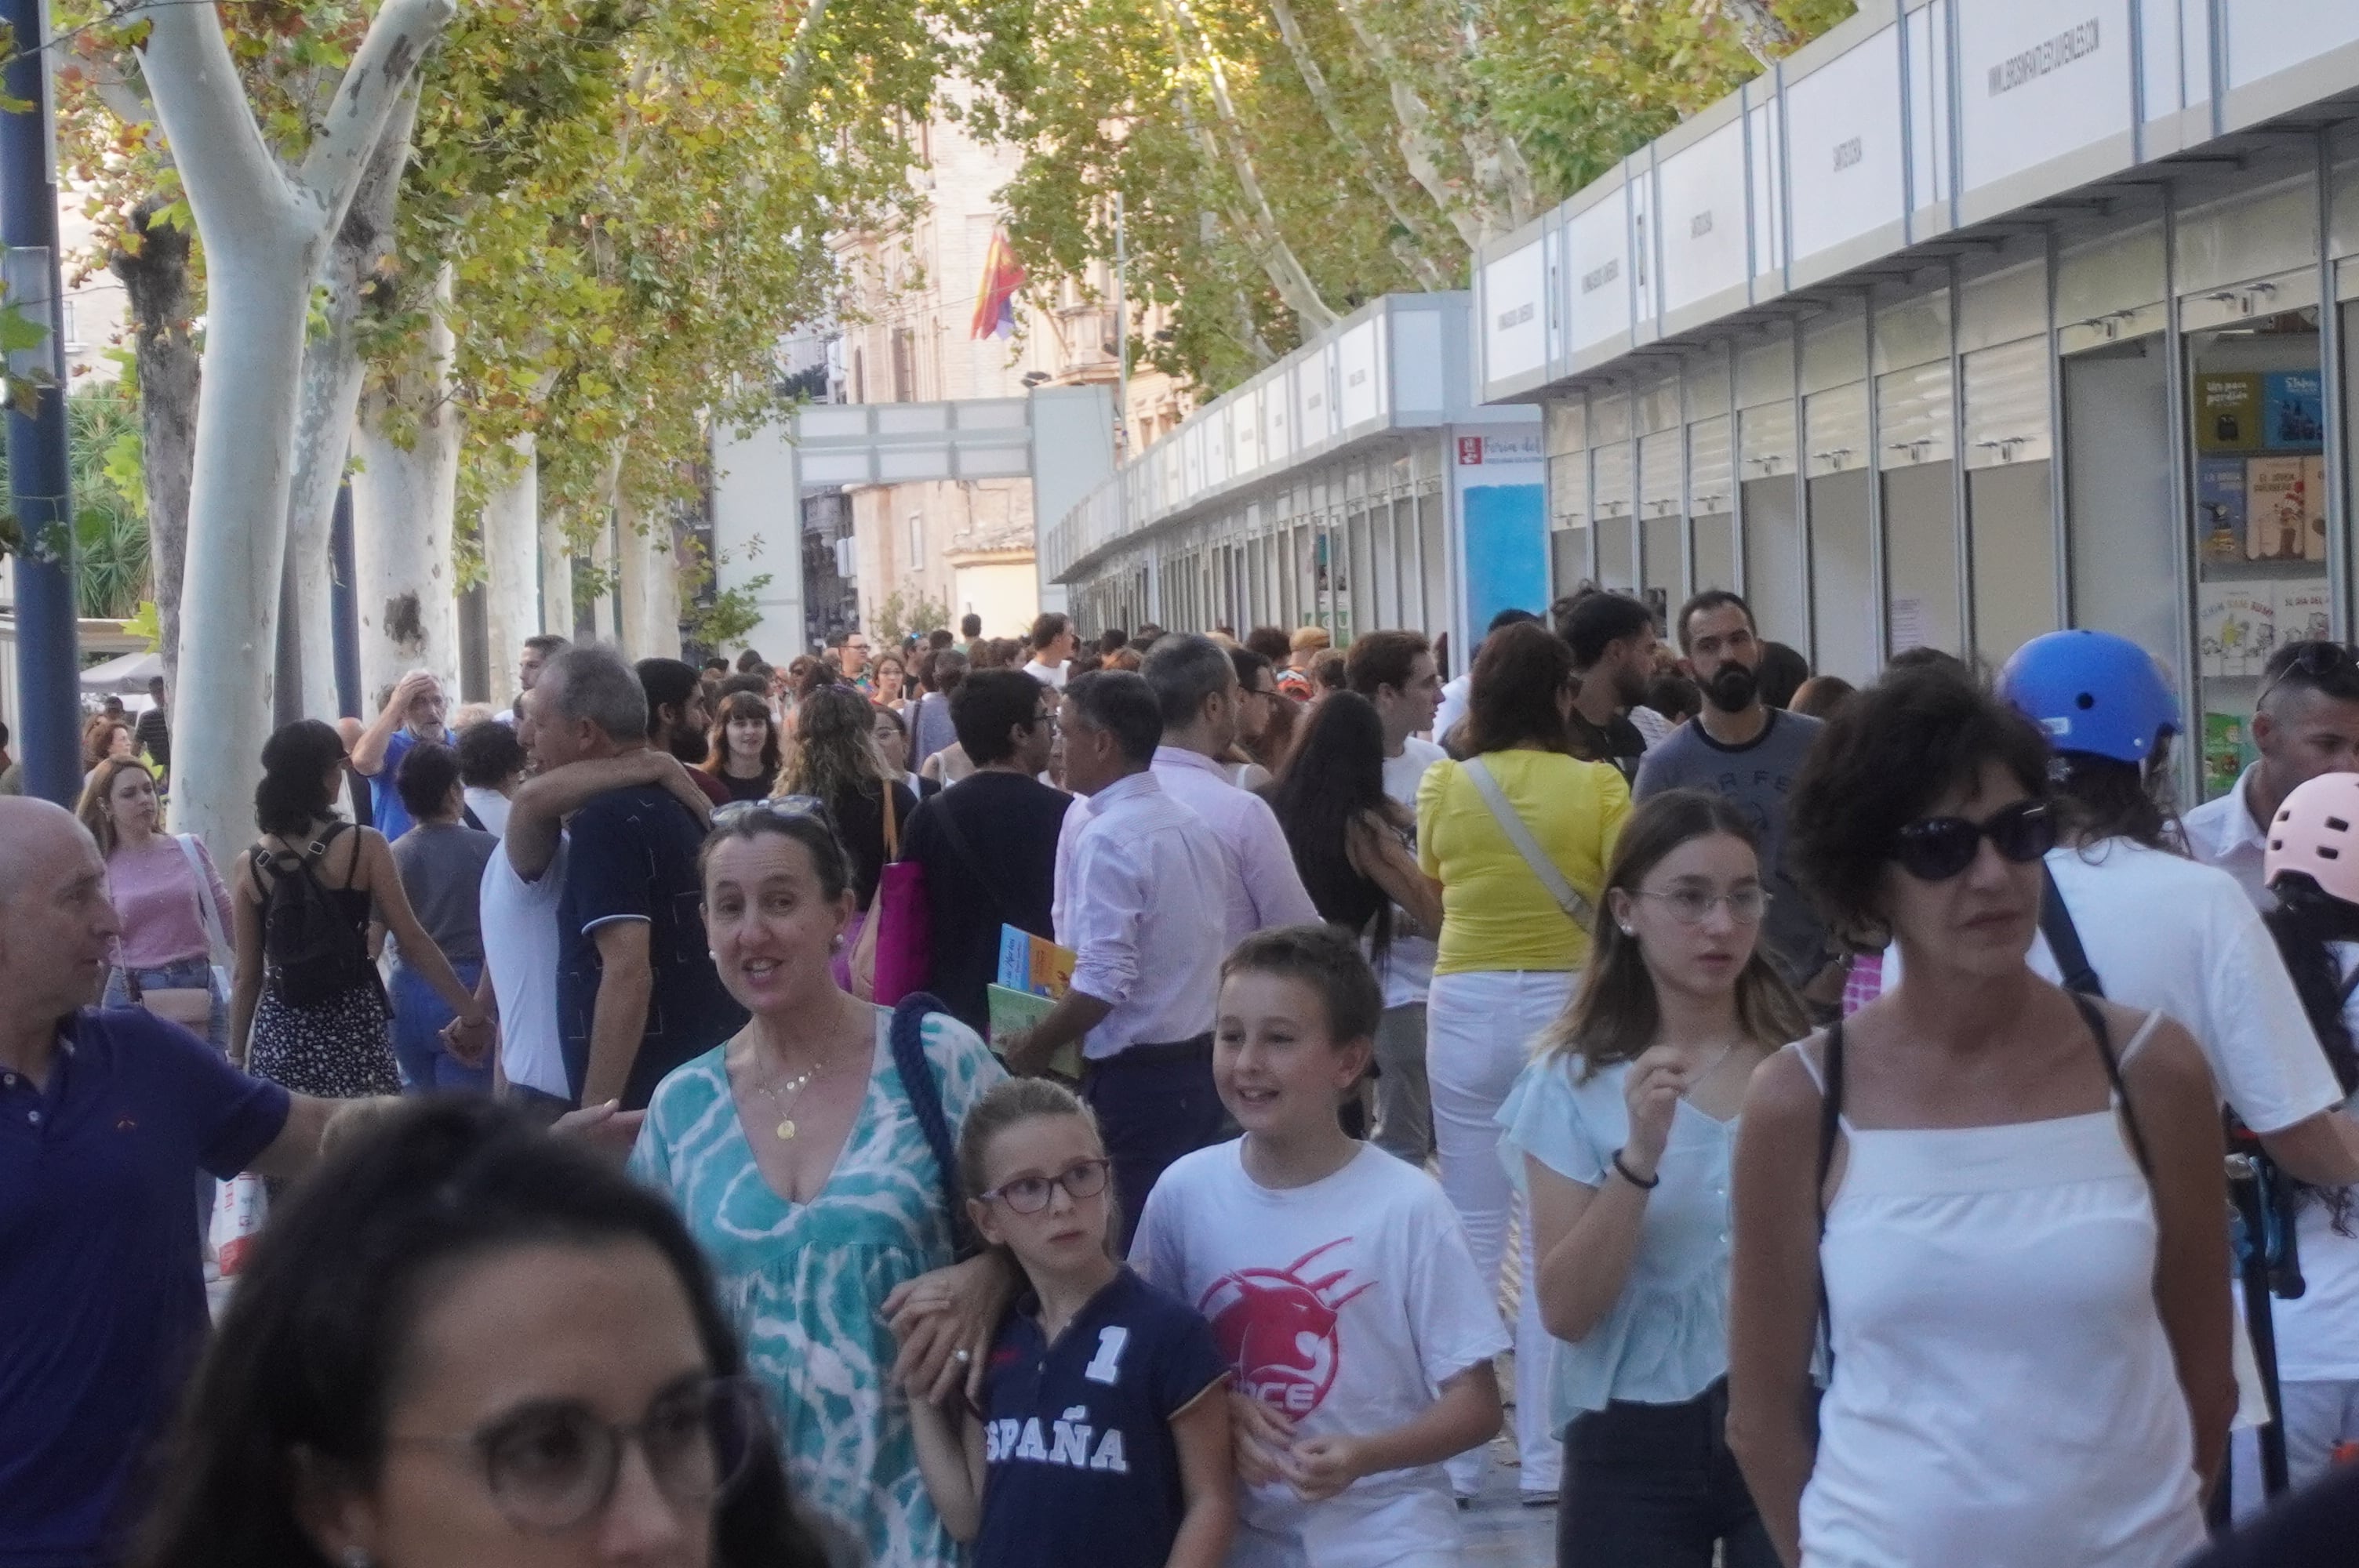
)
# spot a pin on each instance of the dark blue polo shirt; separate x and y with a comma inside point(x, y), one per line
point(102, 1277)
point(1082, 1468)
point(631, 855)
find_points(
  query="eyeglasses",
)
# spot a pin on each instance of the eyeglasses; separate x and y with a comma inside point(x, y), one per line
point(808, 805)
point(1029, 1194)
point(1047, 719)
point(549, 1467)
point(2314, 661)
point(1693, 906)
point(1939, 848)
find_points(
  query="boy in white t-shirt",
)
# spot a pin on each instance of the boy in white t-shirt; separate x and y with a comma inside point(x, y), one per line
point(1336, 1277)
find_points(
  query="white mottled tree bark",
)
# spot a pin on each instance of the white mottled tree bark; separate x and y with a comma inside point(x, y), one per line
point(512, 588)
point(405, 501)
point(265, 229)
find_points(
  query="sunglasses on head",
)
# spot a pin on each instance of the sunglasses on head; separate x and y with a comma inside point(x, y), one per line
point(2315, 661)
point(808, 805)
point(1936, 849)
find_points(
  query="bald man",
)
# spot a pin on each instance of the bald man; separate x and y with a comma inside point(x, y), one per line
point(105, 1116)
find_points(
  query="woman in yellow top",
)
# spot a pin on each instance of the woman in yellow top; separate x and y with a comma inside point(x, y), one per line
point(1510, 953)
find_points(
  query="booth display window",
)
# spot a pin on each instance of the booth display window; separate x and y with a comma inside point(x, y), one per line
point(2254, 399)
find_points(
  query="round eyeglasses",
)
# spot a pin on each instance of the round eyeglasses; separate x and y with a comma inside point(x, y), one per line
point(1029, 1194)
point(1693, 905)
point(550, 1465)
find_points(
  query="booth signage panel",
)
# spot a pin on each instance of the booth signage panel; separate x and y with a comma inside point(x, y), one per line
point(2038, 78)
point(1701, 211)
point(1845, 147)
point(1356, 354)
point(1499, 486)
point(1514, 333)
point(1597, 273)
point(2266, 37)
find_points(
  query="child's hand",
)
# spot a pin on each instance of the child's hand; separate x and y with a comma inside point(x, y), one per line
point(1322, 1467)
point(1260, 1438)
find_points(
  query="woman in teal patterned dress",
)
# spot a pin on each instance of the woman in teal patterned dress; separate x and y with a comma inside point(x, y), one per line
point(796, 1156)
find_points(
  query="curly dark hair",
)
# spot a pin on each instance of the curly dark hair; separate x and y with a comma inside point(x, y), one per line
point(2306, 922)
point(1880, 764)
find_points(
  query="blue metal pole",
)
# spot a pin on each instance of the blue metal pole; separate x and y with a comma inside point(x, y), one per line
point(47, 665)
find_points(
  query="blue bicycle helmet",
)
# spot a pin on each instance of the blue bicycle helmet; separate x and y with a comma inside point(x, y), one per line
point(2093, 693)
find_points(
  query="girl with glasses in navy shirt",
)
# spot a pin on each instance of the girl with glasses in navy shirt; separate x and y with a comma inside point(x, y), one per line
point(1102, 1439)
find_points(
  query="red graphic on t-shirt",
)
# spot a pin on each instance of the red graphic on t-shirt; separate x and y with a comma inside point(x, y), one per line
point(1279, 1330)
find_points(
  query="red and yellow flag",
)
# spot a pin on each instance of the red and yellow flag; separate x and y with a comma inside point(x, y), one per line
point(994, 303)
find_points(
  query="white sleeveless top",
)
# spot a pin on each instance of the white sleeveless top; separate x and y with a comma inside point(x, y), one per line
point(2004, 1391)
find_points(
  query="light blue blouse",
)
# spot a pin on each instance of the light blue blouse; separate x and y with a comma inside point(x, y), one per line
point(1666, 1340)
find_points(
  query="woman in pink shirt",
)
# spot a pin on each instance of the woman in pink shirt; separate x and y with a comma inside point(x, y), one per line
point(168, 898)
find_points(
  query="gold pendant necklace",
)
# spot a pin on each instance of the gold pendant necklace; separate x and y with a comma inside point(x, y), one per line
point(785, 1131)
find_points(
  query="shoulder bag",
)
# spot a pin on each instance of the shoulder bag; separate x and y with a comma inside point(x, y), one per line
point(1503, 811)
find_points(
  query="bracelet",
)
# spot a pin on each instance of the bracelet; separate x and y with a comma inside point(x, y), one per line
point(1631, 1176)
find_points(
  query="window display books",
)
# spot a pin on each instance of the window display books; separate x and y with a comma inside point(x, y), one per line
point(2219, 507)
point(2277, 511)
point(2235, 628)
point(2302, 612)
point(2227, 748)
point(2227, 412)
point(2313, 498)
point(2293, 410)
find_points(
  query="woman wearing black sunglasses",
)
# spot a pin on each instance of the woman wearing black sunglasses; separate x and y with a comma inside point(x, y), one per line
point(467, 1345)
point(2003, 1202)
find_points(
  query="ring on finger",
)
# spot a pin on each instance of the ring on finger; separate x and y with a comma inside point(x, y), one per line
point(962, 1355)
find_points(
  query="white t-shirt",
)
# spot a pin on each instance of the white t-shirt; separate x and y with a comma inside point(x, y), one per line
point(2318, 1331)
point(1408, 973)
point(520, 948)
point(1049, 676)
point(490, 807)
point(1345, 1304)
point(1457, 698)
point(2162, 931)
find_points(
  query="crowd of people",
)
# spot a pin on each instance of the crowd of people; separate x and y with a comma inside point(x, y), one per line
point(654, 1179)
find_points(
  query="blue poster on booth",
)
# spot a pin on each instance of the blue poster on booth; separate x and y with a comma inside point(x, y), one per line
point(1503, 509)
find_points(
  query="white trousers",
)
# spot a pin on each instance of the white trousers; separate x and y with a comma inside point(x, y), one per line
point(2317, 1417)
point(1479, 1029)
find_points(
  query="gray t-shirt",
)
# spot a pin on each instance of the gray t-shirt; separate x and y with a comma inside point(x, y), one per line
point(442, 867)
point(1756, 779)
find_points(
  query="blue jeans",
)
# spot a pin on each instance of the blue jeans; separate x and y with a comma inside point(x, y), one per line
point(419, 1014)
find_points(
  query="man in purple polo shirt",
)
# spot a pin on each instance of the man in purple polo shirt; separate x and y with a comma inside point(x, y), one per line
point(104, 1117)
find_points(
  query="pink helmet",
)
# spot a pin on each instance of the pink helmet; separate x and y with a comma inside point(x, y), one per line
point(2316, 832)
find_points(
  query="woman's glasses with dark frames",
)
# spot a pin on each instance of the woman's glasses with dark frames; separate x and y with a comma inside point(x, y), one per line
point(1029, 1194)
point(550, 1466)
point(1938, 848)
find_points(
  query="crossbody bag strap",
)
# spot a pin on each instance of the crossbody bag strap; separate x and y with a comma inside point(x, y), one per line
point(907, 1037)
point(1503, 811)
point(2064, 940)
point(1831, 1098)
point(892, 826)
point(207, 909)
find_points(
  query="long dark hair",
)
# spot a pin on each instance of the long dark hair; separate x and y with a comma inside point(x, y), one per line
point(741, 705)
point(294, 791)
point(2305, 923)
point(1334, 778)
point(2103, 798)
point(1614, 1015)
point(305, 1359)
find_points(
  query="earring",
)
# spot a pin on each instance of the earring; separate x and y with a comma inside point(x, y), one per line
point(1630, 931)
point(836, 945)
point(353, 1557)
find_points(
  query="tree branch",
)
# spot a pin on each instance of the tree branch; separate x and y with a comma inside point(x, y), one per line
point(380, 72)
point(1419, 232)
point(225, 166)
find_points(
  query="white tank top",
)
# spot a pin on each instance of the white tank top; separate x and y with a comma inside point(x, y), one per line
point(2004, 1392)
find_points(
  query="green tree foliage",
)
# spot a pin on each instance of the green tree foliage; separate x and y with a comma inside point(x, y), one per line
point(909, 614)
point(1282, 161)
point(111, 570)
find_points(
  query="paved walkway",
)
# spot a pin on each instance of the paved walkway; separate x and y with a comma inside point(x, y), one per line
point(1503, 1533)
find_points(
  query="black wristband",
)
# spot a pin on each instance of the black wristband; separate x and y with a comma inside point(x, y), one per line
point(1627, 1175)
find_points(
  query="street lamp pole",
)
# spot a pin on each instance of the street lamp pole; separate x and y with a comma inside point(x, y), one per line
point(49, 670)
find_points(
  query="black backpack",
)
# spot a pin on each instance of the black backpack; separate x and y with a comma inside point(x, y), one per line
point(316, 952)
